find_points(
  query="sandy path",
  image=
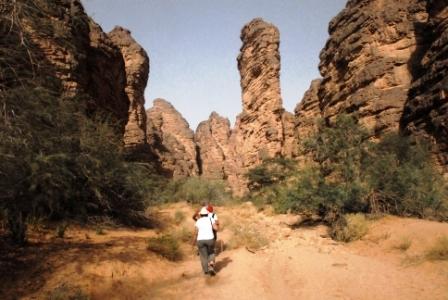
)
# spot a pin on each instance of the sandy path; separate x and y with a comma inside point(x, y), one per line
point(301, 264)
point(304, 266)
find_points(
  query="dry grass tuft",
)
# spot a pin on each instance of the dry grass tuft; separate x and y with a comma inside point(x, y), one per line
point(66, 291)
point(439, 251)
point(179, 217)
point(166, 246)
point(247, 236)
point(350, 228)
point(403, 245)
point(183, 234)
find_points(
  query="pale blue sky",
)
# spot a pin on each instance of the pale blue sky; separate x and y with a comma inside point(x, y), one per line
point(193, 46)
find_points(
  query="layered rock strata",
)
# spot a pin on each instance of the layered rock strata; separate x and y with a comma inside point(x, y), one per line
point(137, 69)
point(366, 62)
point(212, 140)
point(172, 140)
point(107, 73)
point(426, 112)
point(259, 131)
point(308, 112)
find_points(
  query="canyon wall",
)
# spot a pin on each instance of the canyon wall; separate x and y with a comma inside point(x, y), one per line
point(426, 111)
point(366, 62)
point(105, 73)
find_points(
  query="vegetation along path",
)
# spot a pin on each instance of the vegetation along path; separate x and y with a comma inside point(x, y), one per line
point(264, 257)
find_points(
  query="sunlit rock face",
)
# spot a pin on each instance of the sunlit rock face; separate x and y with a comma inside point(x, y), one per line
point(212, 140)
point(137, 70)
point(367, 62)
point(172, 140)
point(426, 111)
point(259, 131)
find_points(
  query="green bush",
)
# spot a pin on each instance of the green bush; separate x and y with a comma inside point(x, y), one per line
point(350, 174)
point(350, 227)
point(57, 158)
point(166, 246)
point(270, 172)
point(197, 190)
point(403, 181)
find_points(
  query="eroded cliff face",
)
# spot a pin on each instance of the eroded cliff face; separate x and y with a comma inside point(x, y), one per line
point(137, 70)
point(172, 140)
point(106, 73)
point(366, 63)
point(212, 140)
point(308, 112)
point(426, 111)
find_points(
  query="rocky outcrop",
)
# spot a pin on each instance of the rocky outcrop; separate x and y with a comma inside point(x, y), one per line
point(137, 69)
point(212, 139)
point(105, 76)
point(426, 112)
point(366, 62)
point(307, 112)
point(107, 73)
point(172, 140)
point(259, 131)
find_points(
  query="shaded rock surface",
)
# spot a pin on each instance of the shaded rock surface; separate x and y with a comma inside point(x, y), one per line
point(366, 62)
point(106, 75)
point(172, 140)
point(426, 112)
point(307, 112)
point(137, 69)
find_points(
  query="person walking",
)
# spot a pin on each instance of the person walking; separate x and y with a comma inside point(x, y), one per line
point(204, 239)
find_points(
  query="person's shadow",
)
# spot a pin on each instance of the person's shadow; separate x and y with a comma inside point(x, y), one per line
point(221, 264)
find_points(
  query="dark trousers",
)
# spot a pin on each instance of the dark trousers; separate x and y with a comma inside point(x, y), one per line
point(206, 253)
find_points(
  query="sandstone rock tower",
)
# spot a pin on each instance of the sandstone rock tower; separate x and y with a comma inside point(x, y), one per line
point(259, 130)
point(137, 69)
point(172, 140)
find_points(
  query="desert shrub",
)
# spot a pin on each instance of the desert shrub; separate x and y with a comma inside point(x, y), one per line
point(183, 234)
point(197, 190)
point(166, 246)
point(349, 174)
point(179, 217)
point(439, 251)
point(67, 292)
point(246, 236)
point(332, 185)
point(58, 159)
point(404, 244)
point(269, 182)
point(60, 230)
point(270, 172)
point(402, 179)
point(350, 227)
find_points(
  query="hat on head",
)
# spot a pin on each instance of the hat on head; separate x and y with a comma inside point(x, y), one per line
point(203, 211)
point(210, 208)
